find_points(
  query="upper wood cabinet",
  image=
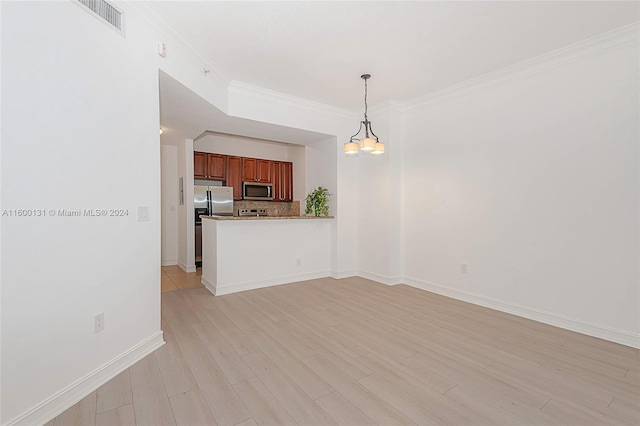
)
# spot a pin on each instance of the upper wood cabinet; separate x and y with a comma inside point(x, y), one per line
point(282, 178)
point(256, 170)
point(209, 166)
point(199, 164)
point(234, 176)
point(287, 181)
point(234, 170)
point(216, 166)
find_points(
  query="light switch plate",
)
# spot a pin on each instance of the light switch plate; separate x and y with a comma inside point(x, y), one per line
point(143, 214)
point(162, 49)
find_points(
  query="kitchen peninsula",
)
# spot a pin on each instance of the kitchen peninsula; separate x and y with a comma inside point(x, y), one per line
point(247, 252)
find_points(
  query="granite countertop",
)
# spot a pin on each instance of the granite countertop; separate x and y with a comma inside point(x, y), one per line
point(264, 217)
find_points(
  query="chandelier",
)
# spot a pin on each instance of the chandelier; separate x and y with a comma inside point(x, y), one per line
point(370, 141)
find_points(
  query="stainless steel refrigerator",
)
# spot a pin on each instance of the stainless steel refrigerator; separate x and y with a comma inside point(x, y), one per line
point(210, 200)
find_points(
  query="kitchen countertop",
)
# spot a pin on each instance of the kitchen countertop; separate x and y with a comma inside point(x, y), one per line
point(264, 217)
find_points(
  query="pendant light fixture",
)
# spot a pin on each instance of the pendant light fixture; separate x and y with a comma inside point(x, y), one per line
point(369, 142)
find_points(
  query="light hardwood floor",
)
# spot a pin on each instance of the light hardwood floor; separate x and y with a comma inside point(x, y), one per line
point(354, 352)
point(173, 278)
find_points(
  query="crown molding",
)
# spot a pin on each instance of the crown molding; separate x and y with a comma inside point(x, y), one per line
point(146, 11)
point(272, 96)
point(390, 105)
point(609, 40)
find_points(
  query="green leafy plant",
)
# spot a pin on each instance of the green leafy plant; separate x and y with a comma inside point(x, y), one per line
point(317, 202)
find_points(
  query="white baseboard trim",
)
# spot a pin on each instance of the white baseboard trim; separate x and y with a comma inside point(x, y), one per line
point(190, 268)
point(235, 288)
point(209, 286)
point(380, 278)
point(71, 394)
point(603, 332)
point(169, 262)
point(338, 275)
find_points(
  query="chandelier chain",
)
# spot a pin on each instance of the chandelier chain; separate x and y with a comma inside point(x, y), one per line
point(365, 100)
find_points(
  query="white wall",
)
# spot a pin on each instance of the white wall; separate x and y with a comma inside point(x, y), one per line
point(242, 147)
point(296, 154)
point(321, 169)
point(533, 182)
point(320, 166)
point(379, 201)
point(1, 208)
point(80, 131)
point(169, 203)
point(394, 149)
point(347, 209)
point(186, 217)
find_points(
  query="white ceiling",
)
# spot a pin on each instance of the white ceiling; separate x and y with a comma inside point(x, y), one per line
point(318, 50)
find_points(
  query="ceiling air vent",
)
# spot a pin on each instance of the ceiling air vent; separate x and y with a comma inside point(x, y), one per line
point(106, 12)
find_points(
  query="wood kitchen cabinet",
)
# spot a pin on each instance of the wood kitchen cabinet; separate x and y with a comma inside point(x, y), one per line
point(216, 166)
point(256, 170)
point(234, 176)
point(234, 170)
point(209, 166)
point(287, 181)
point(282, 178)
point(200, 165)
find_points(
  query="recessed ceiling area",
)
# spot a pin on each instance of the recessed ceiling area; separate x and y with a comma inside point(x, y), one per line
point(318, 50)
point(185, 115)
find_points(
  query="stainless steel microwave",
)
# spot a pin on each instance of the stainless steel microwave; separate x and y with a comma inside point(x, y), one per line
point(257, 191)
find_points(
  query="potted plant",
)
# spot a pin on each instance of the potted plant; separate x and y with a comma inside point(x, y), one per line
point(317, 202)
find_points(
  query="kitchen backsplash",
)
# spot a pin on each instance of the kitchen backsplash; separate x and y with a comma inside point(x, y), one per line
point(274, 208)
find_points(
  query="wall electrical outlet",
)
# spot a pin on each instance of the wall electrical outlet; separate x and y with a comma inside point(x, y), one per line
point(463, 268)
point(98, 323)
point(298, 262)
